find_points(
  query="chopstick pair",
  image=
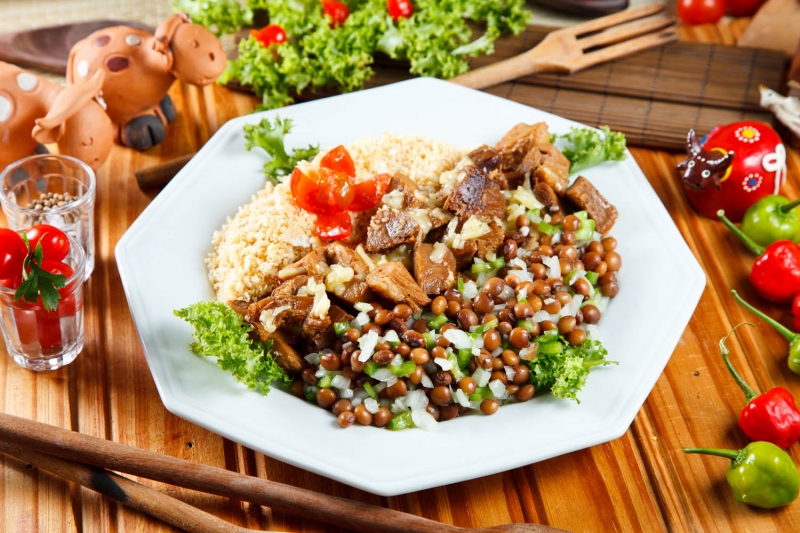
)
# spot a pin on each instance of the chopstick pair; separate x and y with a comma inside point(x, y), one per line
point(84, 460)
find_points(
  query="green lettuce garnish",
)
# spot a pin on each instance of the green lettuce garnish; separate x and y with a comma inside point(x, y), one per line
point(270, 136)
point(587, 147)
point(220, 332)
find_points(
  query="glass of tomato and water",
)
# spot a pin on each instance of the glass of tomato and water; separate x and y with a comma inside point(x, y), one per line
point(57, 191)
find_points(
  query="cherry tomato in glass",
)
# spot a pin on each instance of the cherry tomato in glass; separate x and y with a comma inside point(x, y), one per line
point(400, 9)
point(693, 12)
point(269, 35)
point(339, 159)
point(369, 193)
point(336, 191)
point(337, 11)
point(334, 226)
point(796, 312)
point(744, 8)
point(12, 253)
point(55, 244)
point(12, 283)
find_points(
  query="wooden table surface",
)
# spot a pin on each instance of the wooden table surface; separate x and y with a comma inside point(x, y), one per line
point(641, 482)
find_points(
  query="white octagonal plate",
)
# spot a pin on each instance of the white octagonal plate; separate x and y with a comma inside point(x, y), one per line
point(161, 262)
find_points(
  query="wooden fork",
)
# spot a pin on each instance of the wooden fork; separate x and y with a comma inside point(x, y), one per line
point(565, 50)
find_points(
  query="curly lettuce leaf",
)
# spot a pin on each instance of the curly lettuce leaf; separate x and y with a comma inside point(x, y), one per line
point(270, 136)
point(221, 17)
point(561, 368)
point(220, 332)
point(586, 147)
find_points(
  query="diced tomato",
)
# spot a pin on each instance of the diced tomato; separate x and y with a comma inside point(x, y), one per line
point(337, 11)
point(336, 191)
point(269, 35)
point(334, 226)
point(400, 9)
point(305, 192)
point(369, 193)
point(339, 159)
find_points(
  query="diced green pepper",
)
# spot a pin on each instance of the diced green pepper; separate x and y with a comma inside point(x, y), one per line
point(325, 381)
point(483, 328)
point(549, 229)
point(480, 394)
point(370, 390)
point(370, 367)
point(401, 421)
point(438, 322)
point(498, 263)
point(456, 370)
point(464, 357)
point(404, 369)
point(570, 276)
point(592, 277)
point(551, 348)
point(340, 327)
point(480, 268)
point(527, 325)
point(430, 342)
point(586, 231)
point(534, 215)
point(582, 215)
point(460, 285)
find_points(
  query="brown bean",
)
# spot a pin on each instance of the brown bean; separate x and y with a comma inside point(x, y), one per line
point(298, 388)
point(609, 289)
point(540, 287)
point(509, 250)
point(467, 319)
point(489, 406)
point(308, 376)
point(448, 412)
point(488, 318)
point(545, 249)
point(539, 271)
point(492, 339)
point(438, 305)
point(420, 326)
point(595, 246)
point(330, 361)
point(453, 307)
point(512, 281)
point(553, 307)
point(415, 377)
point(510, 357)
point(568, 237)
point(525, 392)
point(576, 337)
point(442, 378)
point(325, 398)
point(601, 269)
point(397, 390)
point(371, 326)
point(468, 385)
point(382, 417)
point(519, 338)
point(441, 395)
point(346, 419)
point(536, 304)
point(498, 363)
point(355, 364)
point(548, 325)
point(504, 327)
point(566, 324)
point(383, 317)
point(383, 357)
point(483, 302)
point(402, 349)
point(437, 352)
point(523, 311)
point(433, 411)
point(351, 335)
point(582, 286)
point(571, 223)
point(522, 221)
point(402, 311)
point(348, 372)
point(609, 244)
point(398, 325)
point(452, 295)
point(501, 375)
point(521, 374)
point(563, 297)
point(591, 314)
point(494, 286)
point(591, 260)
point(341, 406)
point(484, 360)
point(420, 355)
point(614, 261)
point(363, 416)
point(414, 339)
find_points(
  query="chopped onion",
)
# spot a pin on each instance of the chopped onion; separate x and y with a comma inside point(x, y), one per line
point(357, 401)
point(498, 388)
point(416, 399)
point(525, 230)
point(394, 199)
point(481, 377)
point(527, 353)
point(378, 387)
point(460, 339)
point(383, 374)
point(549, 301)
point(367, 344)
point(398, 406)
point(363, 307)
point(553, 266)
point(444, 364)
point(391, 336)
point(506, 293)
point(523, 275)
point(470, 290)
point(397, 361)
point(422, 218)
point(426, 381)
point(571, 309)
point(556, 238)
point(496, 353)
point(509, 373)
point(517, 262)
point(362, 319)
point(320, 372)
point(312, 359)
point(602, 303)
point(526, 198)
point(461, 398)
point(371, 405)
point(592, 331)
point(541, 316)
point(340, 382)
point(439, 250)
point(346, 393)
point(423, 419)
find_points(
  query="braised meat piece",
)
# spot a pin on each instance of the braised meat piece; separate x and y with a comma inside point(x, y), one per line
point(585, 197)
point(433, 278)
point(486, 158)
point(527, 168)
point(356, 290)
point(361, 222)
point(388, 229)
point(319, 332)
point(476, 195)
point(285, 355)
point(393, 282)
point(465, 254)
point(269, 314)
point(407, 187)
point(545, 194)
point(519, 140)
point(313, 264)
point(492, 241)
point(291, 286)
point(553, 169)
point(239, 306)
point(339, 254)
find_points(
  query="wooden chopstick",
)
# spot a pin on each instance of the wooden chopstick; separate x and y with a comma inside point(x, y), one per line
point(147, 464)
point(135, 495)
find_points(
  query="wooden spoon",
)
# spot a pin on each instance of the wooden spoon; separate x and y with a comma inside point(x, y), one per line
point(359, 516)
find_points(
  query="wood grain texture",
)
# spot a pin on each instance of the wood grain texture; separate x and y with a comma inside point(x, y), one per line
point(639, 482)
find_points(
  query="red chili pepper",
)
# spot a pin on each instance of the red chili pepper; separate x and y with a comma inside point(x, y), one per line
point(772, 416)
point(776, 273)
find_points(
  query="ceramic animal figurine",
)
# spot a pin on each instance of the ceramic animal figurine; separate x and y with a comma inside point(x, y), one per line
point(786, 108)
point(734, 166)
point(34, 111)
point(139, 69)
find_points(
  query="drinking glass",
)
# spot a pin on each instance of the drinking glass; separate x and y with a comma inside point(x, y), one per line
point(51, 189)
point(46, 340)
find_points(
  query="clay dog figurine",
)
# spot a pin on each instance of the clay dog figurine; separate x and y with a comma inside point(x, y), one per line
point(735, 166)
point(139, 69)
point(34, 111)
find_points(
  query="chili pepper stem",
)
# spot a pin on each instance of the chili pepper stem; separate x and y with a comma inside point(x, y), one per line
point(730, 454)
point(788, 207)
point(749, 393)
point(780, 328)
point(751, 245)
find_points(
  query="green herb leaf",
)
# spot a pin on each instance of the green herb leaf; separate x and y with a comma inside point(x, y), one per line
point(220, 332)
point(586, 147)
point(219, 16)
point(270, 136)
point(37, 281)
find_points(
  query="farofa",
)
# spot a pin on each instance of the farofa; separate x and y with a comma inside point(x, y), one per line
point(271, 232)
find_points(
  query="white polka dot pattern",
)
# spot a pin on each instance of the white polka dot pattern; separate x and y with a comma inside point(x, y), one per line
point(27, 81)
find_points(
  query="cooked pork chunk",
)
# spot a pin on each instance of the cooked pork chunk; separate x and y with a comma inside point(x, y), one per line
point(545, 194)
point(433, 278)
point(486, 158)
point(291, 286)
point(519, 140)
point(476, 195)
point(285, 355)
point(393, 282)
point(408, 188)
point(492, 241)
point(314, 263)
point(388, 229)
point(465, 254)
point(553, 169)
point(585, 197)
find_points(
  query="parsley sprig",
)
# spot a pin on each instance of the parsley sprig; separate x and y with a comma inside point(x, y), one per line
point(37, 281)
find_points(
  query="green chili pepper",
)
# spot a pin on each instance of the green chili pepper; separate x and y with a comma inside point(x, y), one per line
point(401, 421)
point(369, 368)
point(592, 277)
point(527, 325)
point(460, 285)
point(483, 328)
point(480, 394)
point(370, 390)
point(430, 342)
point(438, 322)
point(794, 338)
point(761, 474)
point(325, 381)
point(464, 357)
point(548, 229)
point(404, 369)
point(340, 327)
point(772, 218)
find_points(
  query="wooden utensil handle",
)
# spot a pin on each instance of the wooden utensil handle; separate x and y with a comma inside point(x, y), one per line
point(160, 174)
point(500, 72)
point(144, 463)
point(126, 491)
